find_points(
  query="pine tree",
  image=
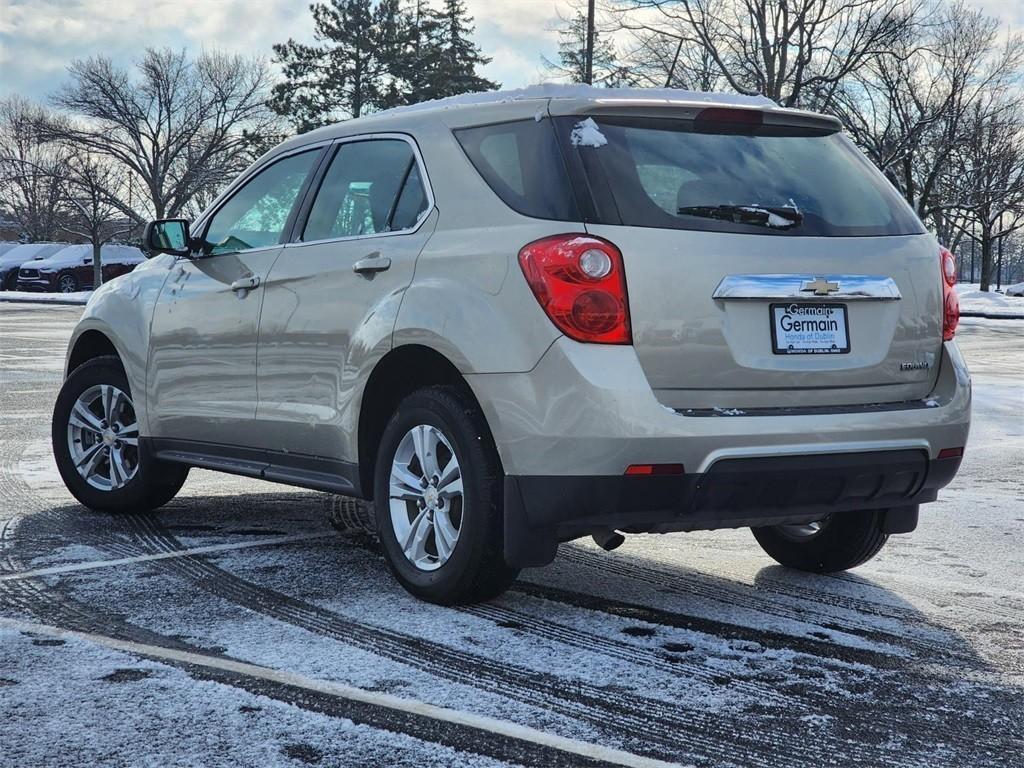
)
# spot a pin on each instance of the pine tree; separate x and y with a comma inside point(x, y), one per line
point(375, 55)
point(341, 75)
point(457, 55)
point(572, 55)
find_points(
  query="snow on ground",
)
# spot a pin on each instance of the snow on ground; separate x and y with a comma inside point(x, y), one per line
point(973, 299)
point(691, 648)
point(36, 297)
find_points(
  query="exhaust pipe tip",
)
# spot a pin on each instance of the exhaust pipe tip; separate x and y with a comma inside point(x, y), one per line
point(607, 539)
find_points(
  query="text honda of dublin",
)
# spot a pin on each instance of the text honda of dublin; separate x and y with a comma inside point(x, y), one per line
point(518, 319)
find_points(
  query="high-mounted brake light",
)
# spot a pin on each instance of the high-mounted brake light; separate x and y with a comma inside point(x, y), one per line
point(580, 284)
point(950, 300)
point(730, 115)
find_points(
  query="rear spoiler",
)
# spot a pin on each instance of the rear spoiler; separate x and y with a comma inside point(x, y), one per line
point(767, 114)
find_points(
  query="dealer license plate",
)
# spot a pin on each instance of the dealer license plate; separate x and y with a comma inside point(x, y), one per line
point(804, 328)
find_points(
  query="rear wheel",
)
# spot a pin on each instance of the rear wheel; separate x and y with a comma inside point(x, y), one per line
point(835, 543)
point(96, 443)
point(438, 500)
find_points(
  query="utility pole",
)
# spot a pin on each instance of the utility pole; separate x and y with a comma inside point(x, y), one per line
point(999, 261)
point(589, 74)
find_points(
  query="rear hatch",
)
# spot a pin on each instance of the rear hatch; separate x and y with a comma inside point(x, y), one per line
point(768, 263)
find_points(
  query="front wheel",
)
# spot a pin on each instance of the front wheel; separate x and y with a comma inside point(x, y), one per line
point(67, 283)
point(437, 490)
point(835, 543)
point(96, 443)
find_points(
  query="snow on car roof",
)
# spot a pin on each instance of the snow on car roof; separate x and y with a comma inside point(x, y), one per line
point(584, 92)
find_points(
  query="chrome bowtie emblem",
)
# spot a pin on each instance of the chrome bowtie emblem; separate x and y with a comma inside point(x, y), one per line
point(820, 286)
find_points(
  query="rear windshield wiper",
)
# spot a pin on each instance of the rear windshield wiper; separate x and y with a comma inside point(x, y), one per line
point(776, 217)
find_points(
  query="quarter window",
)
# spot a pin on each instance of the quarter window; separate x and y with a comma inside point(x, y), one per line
point(371, 187)
point(256, 215)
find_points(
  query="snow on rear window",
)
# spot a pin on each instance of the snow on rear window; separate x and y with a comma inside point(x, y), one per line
point(587, 134)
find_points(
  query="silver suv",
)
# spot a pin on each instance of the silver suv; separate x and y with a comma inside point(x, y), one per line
point(518, 319)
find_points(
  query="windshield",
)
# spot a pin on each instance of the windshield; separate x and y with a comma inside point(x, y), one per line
point(762, 179)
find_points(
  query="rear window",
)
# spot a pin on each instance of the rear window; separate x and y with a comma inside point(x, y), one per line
point(521, 162)
point(653, 172)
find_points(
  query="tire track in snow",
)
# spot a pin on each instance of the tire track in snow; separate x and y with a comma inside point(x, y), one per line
point(667, 729)
point(33, 597)
point(719, 590)
point(48, 605)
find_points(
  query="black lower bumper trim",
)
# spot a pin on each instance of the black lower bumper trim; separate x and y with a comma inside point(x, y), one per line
point(540, 511)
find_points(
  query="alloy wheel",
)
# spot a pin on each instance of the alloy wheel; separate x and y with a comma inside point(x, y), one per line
point(426, 497)
point(67, 284)
point(103, 437)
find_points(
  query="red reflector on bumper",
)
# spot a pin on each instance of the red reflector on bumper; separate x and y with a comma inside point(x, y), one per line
point(951, 453)
point(655, 469)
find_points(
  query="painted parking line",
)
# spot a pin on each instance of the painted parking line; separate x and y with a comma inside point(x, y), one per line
point(409, 706)
point(94, 564)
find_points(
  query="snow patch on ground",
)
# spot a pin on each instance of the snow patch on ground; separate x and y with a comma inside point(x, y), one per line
point(973, 299)
point(38, 469)
point(79, 297)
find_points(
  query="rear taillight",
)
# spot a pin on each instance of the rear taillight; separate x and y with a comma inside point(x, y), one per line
point(950, 300)
point(580, 283)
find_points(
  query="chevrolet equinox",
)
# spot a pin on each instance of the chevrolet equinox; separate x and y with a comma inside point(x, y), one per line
point(517, 319)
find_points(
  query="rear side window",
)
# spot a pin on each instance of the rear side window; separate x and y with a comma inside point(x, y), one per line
point(762, 179)
point(521, 162)
point(371, 187)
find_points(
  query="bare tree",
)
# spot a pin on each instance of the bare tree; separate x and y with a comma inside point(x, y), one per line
point(181, 126)
point(907, 107)
point(32, 172)
point(796, 52)
point(95, 210)
point(991, 166)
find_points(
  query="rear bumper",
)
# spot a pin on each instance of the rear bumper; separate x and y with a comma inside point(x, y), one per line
point(540, 511)
point(588, 410)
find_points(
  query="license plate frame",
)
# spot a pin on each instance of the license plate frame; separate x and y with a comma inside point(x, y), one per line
point(814, 342)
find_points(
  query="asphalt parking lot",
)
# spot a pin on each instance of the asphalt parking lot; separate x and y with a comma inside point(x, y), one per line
point(236, 627)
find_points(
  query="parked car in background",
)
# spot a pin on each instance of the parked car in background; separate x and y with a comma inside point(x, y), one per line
point(70, 269)
point(11, 261)
point(1016, 289)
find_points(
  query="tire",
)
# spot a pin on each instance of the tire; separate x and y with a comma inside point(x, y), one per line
point(67, 283)
point(475, 570)
point(843, 541)
point(142, 482)
point(10, 281)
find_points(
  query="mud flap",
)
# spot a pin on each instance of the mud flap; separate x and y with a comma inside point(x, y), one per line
point(900, 519)
point(524, 545)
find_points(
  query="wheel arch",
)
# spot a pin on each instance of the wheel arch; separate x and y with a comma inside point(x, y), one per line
point(90, 344)
point(396, 375)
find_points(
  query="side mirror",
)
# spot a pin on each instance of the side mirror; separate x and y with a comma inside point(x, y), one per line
point(167, 236)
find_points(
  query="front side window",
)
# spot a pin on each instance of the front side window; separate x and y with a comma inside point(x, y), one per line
point(256, 215)
point(371, 187)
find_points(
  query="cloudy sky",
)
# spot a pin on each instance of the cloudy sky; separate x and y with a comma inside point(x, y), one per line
point(38, 38)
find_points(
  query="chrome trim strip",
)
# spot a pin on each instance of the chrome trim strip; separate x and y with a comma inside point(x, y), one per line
point(851, 287)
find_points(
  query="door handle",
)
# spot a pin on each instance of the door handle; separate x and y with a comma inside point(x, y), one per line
point(371, 264)
point(245, 284)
